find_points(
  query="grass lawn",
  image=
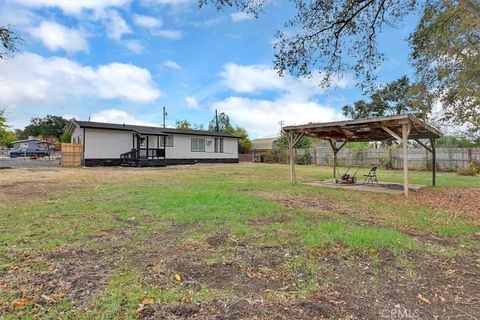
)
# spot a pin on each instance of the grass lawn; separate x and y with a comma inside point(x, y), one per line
point(234, 242)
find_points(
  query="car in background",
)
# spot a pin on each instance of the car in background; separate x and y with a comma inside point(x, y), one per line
point(29, 152)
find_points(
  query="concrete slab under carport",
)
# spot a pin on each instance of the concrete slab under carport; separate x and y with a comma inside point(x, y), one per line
point(382, 187)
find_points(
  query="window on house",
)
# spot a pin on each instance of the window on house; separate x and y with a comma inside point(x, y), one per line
point(198, 145)
point(143, 142)
point(168, 139)
point(218, 145)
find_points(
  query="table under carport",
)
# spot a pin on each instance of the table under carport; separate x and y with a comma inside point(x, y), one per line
point(399, 127)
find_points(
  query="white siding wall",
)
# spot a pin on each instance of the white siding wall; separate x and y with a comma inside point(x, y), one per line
point(106, 144)
point(77, 135)
point(182, 148)
point(109, 144)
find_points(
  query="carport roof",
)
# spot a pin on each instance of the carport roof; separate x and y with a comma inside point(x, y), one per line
point(370, 129)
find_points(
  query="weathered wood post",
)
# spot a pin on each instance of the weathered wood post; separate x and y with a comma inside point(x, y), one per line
point(405, 133)
point(291, 156)
point(434, 162)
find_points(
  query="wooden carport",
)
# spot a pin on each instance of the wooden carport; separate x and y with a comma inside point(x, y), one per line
point(400, 127)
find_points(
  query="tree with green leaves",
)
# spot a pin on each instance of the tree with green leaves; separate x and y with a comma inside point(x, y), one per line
point(331, 37)
point(223, 123)
point(48, 126)
point(446, 57)
point(397, 97)
point(244, 143)
point(183, 124)
point(304, 143)
point(6, 136)
point(9, 42)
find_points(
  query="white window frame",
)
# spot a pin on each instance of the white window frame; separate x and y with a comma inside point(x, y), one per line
point(218, 147)
point(197, 147)
point(168, 141)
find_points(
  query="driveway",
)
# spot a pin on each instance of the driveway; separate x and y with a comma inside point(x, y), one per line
point(27, 163)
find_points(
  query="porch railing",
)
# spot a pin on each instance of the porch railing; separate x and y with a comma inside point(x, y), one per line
point(142, 153)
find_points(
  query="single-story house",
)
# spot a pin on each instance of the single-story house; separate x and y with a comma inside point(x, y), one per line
point(31, 142)
point(123, 144)
point(30, 147)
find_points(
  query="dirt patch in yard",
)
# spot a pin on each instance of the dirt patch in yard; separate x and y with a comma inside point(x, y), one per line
point(74, 274)
point(261, 285)
point(242, 308)
point(461, 201)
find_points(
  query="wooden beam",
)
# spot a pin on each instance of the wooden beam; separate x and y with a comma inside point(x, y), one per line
point(393, 134)
point(423, 145)
point(343, 145)
point(405, 158)
point(334, 149)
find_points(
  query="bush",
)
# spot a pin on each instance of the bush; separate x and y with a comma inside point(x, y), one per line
point(305, 158)
point(472, 169)
point(281, 156)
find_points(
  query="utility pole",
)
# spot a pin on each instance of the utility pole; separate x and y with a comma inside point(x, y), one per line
point(216, 121)
point(281, 122)
point(164, 116)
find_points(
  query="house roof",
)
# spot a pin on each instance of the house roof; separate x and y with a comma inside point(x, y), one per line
point(149, 130)
point(32, 139)
point(264, 143)
point(370, 129)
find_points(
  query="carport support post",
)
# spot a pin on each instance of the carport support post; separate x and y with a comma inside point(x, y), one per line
point(434, 162)
point(290, 137)
point(405, 133)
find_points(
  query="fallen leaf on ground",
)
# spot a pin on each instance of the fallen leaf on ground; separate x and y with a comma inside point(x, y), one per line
point(18, 303)
point(419, 296)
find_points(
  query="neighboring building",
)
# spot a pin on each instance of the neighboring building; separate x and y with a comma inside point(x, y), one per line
point(265, 143)
point(30, 147)
point(123, 144)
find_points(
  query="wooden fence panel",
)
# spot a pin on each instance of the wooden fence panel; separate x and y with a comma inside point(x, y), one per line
point(418, 158)
point(72, 155)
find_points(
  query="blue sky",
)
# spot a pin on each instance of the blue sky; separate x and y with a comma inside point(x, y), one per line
point(122, 60)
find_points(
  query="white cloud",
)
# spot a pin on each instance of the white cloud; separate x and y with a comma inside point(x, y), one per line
point(261, 117)
point(116, 25)
point(56, 37)
point(241, 16)
point(29, 77)
point(75, 7)
point(118, 116)
point(134, 46)
point(192, 102)
point(172, 65)
point(169, 34)
point(147, 21)
point(294, 103)
point(258, 78)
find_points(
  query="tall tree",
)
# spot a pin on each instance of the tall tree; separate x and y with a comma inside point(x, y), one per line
point(446, 56)
point(304, 143)
point(223, 123)
point(49, 126)
point(6, 136)
point(9, 41)
point(330, 35)
point(244, 143)
point(397, 97)
point(335, 36)
point(183, 124)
